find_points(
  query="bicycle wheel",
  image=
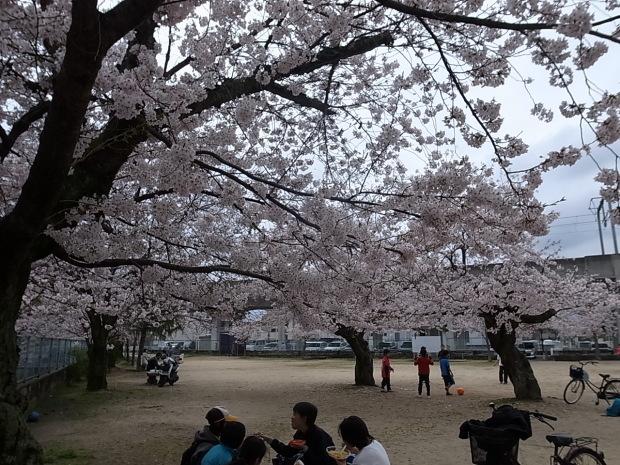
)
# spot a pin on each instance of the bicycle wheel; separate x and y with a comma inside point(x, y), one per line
point(611, 390)
point(584, 456)
point(574, 391)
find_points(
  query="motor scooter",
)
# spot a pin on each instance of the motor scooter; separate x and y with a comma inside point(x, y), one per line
point(168, 373)
point(167, 370)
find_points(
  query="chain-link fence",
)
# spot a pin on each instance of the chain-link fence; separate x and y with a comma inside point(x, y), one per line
point(40, 355)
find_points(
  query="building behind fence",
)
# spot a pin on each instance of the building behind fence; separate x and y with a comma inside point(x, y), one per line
point(41, 355)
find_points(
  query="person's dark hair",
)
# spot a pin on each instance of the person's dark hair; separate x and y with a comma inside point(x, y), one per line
point(423, 352)
point(233, 433)
point(306, 410)
point(252, 450)
point(215, 417)
point(354, 431)
point(386, 351)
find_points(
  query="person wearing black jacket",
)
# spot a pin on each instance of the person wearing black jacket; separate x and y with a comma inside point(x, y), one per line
point(207, 438)
point(309, 439)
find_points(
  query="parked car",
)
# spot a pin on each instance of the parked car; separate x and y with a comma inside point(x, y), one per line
point(174, 345)
point(255, 345)
point(273, 346)
point(315, 346)
point(406, 346)
point(386, 345)
point(589, 346)
point(529, 348)
point(338, 346)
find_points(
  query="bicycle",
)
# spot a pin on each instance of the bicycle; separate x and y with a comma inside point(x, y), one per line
point(496, 440)
point(608, 390)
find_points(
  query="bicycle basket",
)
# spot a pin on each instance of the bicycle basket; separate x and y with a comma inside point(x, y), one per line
point(490, 446)
point(576, 372)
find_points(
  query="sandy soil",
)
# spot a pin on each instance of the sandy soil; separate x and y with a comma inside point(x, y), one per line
point(135, 423)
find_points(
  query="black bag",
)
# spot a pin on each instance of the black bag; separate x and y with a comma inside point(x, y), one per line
point(280, 460)
point(194, 453)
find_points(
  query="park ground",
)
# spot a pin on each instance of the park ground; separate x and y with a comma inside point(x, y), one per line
point(134, 423)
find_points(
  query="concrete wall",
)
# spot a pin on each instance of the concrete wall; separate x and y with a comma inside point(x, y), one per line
point(601, 266)
point(36, 389)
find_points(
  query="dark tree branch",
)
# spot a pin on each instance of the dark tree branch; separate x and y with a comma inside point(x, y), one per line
point(484, 22)
point(143, 262)
point(537, 319)
point(178, 67)
point(300, 99)
point(21, 126)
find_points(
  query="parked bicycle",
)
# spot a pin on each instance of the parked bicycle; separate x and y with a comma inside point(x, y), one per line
point(495, 441)
point(608, 390)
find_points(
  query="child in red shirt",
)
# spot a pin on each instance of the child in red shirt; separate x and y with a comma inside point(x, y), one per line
point(386, 369)
point(423, 363)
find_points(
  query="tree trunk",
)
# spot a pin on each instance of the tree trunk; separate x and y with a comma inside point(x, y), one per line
point(17, 446)
point(98, 350)
point(516, 365)
point(363, 357)
point(141, 343)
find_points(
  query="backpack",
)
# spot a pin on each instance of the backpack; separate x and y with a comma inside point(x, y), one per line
point(193, 454)
point(614, 409)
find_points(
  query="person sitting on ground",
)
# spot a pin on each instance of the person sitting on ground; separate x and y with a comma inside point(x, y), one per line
point(316, 440)
point(209, 436)
point(153, 363)
point(358, 441)
point(144, 359)
point(231, 439)
point(251, 452)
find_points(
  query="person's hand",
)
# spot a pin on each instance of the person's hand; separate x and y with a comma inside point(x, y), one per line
point(392, 369)
point(267, 439)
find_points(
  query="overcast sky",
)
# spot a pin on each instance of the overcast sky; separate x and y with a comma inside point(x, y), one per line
point(577, 229)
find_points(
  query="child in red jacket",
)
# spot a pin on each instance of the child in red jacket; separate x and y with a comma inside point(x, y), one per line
point(423, 363)
point(386, 369)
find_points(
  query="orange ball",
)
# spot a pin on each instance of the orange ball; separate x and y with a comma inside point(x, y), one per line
point(460, 391)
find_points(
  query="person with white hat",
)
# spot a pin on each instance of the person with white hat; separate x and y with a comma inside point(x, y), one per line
point(207, 438)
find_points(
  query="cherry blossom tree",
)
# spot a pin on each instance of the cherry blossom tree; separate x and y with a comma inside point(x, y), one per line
point(521, 291)
point(263, 141)
point(103, 306)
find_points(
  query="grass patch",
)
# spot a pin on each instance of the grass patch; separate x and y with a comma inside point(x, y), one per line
point(75, 401)
point(61, 454)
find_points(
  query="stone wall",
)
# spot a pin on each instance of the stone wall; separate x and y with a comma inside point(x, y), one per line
point(36, 389)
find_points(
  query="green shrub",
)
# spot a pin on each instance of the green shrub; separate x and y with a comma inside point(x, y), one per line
point(77, 371)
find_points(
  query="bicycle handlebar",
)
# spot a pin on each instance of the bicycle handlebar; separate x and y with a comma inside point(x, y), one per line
point(540, 416)
point(587, 362)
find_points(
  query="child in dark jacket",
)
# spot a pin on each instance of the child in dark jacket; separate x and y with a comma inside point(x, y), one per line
point(309, 440)
point(251, 452)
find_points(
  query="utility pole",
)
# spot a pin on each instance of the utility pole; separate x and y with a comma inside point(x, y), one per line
point(598, 220)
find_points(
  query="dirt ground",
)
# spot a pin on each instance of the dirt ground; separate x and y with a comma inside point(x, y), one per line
point(135, 423)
